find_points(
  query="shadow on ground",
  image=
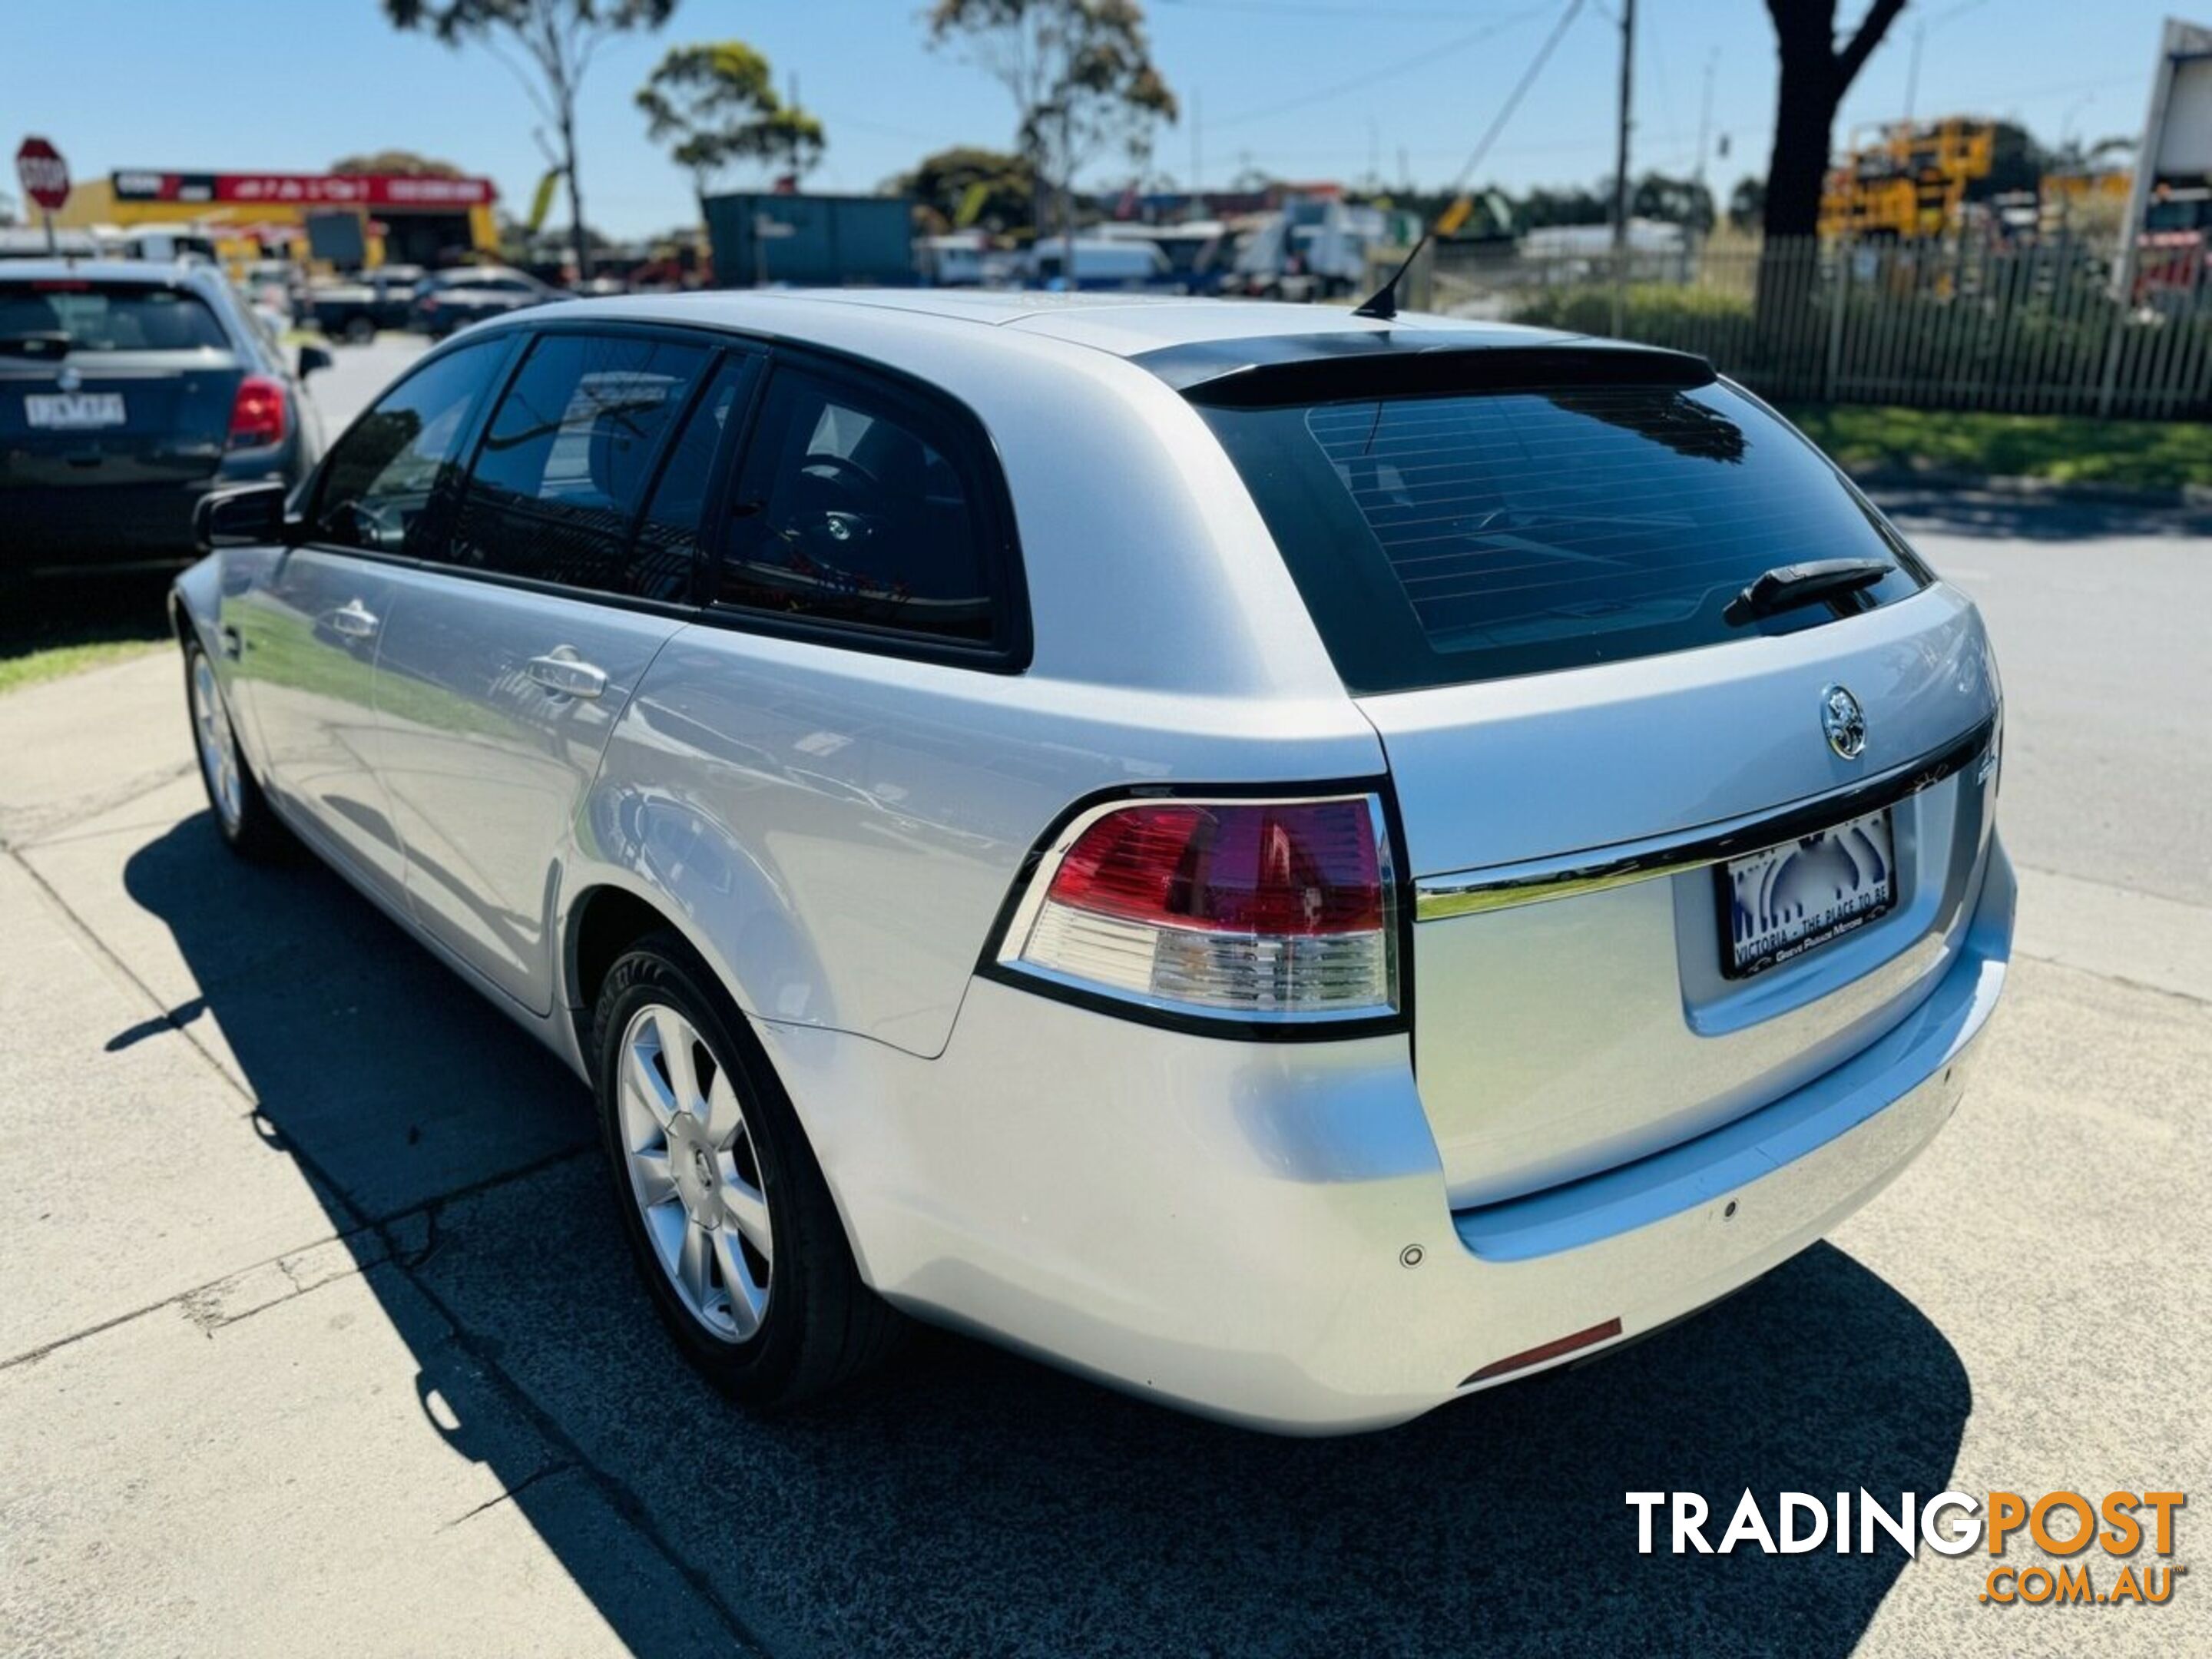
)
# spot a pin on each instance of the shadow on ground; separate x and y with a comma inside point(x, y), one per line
point(2034, 518)
point(93, 607)
point(973, 1502)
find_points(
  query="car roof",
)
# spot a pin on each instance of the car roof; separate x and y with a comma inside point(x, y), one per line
point(1124, 325)
point(163, 271)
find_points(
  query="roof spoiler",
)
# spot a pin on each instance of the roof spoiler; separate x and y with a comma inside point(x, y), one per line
point(1277, 370)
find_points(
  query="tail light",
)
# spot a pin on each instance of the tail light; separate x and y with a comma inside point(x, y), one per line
point(1258, 910)
point(256, 414)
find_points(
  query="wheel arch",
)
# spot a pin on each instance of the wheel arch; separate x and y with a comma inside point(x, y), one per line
point(194, 601)
point(604, 919)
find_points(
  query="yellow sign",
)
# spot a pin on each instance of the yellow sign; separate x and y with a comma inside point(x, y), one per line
point(971, 204)
point(541, 200)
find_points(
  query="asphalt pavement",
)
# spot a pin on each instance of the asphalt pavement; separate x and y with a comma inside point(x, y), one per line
point(319, 1336)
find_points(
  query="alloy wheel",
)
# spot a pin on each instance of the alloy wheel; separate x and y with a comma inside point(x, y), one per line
point(695, 1173)
point(218, 747)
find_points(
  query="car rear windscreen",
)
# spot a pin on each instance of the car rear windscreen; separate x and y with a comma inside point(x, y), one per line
point(106, 317)
point(1443, 539)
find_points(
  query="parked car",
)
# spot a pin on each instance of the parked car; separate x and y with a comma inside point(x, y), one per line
point(1103, 263)
point(447, 300)
point(128, 390)
point(1200, 252)
point(358, 307)
point(1302, 866)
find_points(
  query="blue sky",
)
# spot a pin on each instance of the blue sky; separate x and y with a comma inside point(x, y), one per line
point(1304, 89)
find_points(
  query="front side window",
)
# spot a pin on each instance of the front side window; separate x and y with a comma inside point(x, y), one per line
point(568, 457)
point(847, 512)
point(400, 461)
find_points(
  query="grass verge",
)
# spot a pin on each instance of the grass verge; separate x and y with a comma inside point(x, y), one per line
point(50, 663)
point(2064, 449)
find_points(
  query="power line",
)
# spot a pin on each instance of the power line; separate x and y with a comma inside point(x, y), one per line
point(1513, 98)
point(1402, 66)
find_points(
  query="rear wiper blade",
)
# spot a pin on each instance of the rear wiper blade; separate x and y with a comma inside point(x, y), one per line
point(44, 343)
point(1789, 586)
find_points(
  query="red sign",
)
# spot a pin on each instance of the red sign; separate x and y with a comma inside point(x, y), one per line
point(360, 190)
point(43, 173)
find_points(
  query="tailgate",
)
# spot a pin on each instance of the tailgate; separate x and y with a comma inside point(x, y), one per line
point(110, 419)
point(1578, 1003)
point(1688, 745)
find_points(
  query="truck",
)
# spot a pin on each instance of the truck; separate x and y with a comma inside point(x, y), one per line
point(763, 240)
point(1314, 248)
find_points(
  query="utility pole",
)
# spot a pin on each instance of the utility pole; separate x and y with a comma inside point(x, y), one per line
point(1620, 167)
point(791, 101)
point(1197, 155)
point(1068, 189)
point(1705, 113)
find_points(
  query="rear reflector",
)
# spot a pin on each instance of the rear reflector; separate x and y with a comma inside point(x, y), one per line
point(256, 414)
point(1552, 1350)
point(1267, 910)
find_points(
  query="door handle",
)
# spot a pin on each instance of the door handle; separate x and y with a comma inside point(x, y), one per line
point(563, 670)
point(233, 645)
point(352, 619)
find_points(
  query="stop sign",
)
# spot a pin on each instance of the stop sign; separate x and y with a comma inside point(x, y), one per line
point(43, 173)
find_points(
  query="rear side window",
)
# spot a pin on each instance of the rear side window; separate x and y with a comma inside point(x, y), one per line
point(1439, 540)
point(566, 462)
point(78, 315)
point(858, 505)
point(389, 481)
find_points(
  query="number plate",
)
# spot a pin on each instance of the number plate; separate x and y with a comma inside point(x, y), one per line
point(71, 411)
point(1781, 902)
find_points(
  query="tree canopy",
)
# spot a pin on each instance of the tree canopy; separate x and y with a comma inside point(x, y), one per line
point(1080, 73)
point(549, 44)
point(966, 185)
point(716, 107)
point(396, 163)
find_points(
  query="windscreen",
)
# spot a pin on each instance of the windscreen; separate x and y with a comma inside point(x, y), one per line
point(1439, 540)
point(106, 317)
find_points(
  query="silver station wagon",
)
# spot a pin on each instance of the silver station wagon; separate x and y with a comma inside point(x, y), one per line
point(1299, 864)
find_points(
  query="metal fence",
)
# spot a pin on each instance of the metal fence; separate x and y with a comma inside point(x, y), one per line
point(2026, 324)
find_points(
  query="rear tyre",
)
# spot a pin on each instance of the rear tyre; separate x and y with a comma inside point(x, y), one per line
point(359, 331)
point(242, 813)
point(726, 1212)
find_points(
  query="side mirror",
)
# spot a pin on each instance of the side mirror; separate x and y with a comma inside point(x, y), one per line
point(313, 357)
point(252, 515)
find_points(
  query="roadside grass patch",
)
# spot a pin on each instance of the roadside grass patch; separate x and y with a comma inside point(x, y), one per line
point(34, 667)
point(2064, 449)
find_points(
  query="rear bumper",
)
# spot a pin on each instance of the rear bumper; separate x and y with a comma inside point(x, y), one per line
point(54, 526)
point(1228, 1226)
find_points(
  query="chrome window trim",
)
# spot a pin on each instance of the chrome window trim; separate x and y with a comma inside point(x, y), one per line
point(1594, 870)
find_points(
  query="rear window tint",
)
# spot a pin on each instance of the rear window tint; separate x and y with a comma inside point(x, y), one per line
point(109, 318)
point(1439, 540)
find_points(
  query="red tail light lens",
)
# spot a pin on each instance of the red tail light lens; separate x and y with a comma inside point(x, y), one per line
point(256, 414)
point(1265, 909)
point(1294, 868)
